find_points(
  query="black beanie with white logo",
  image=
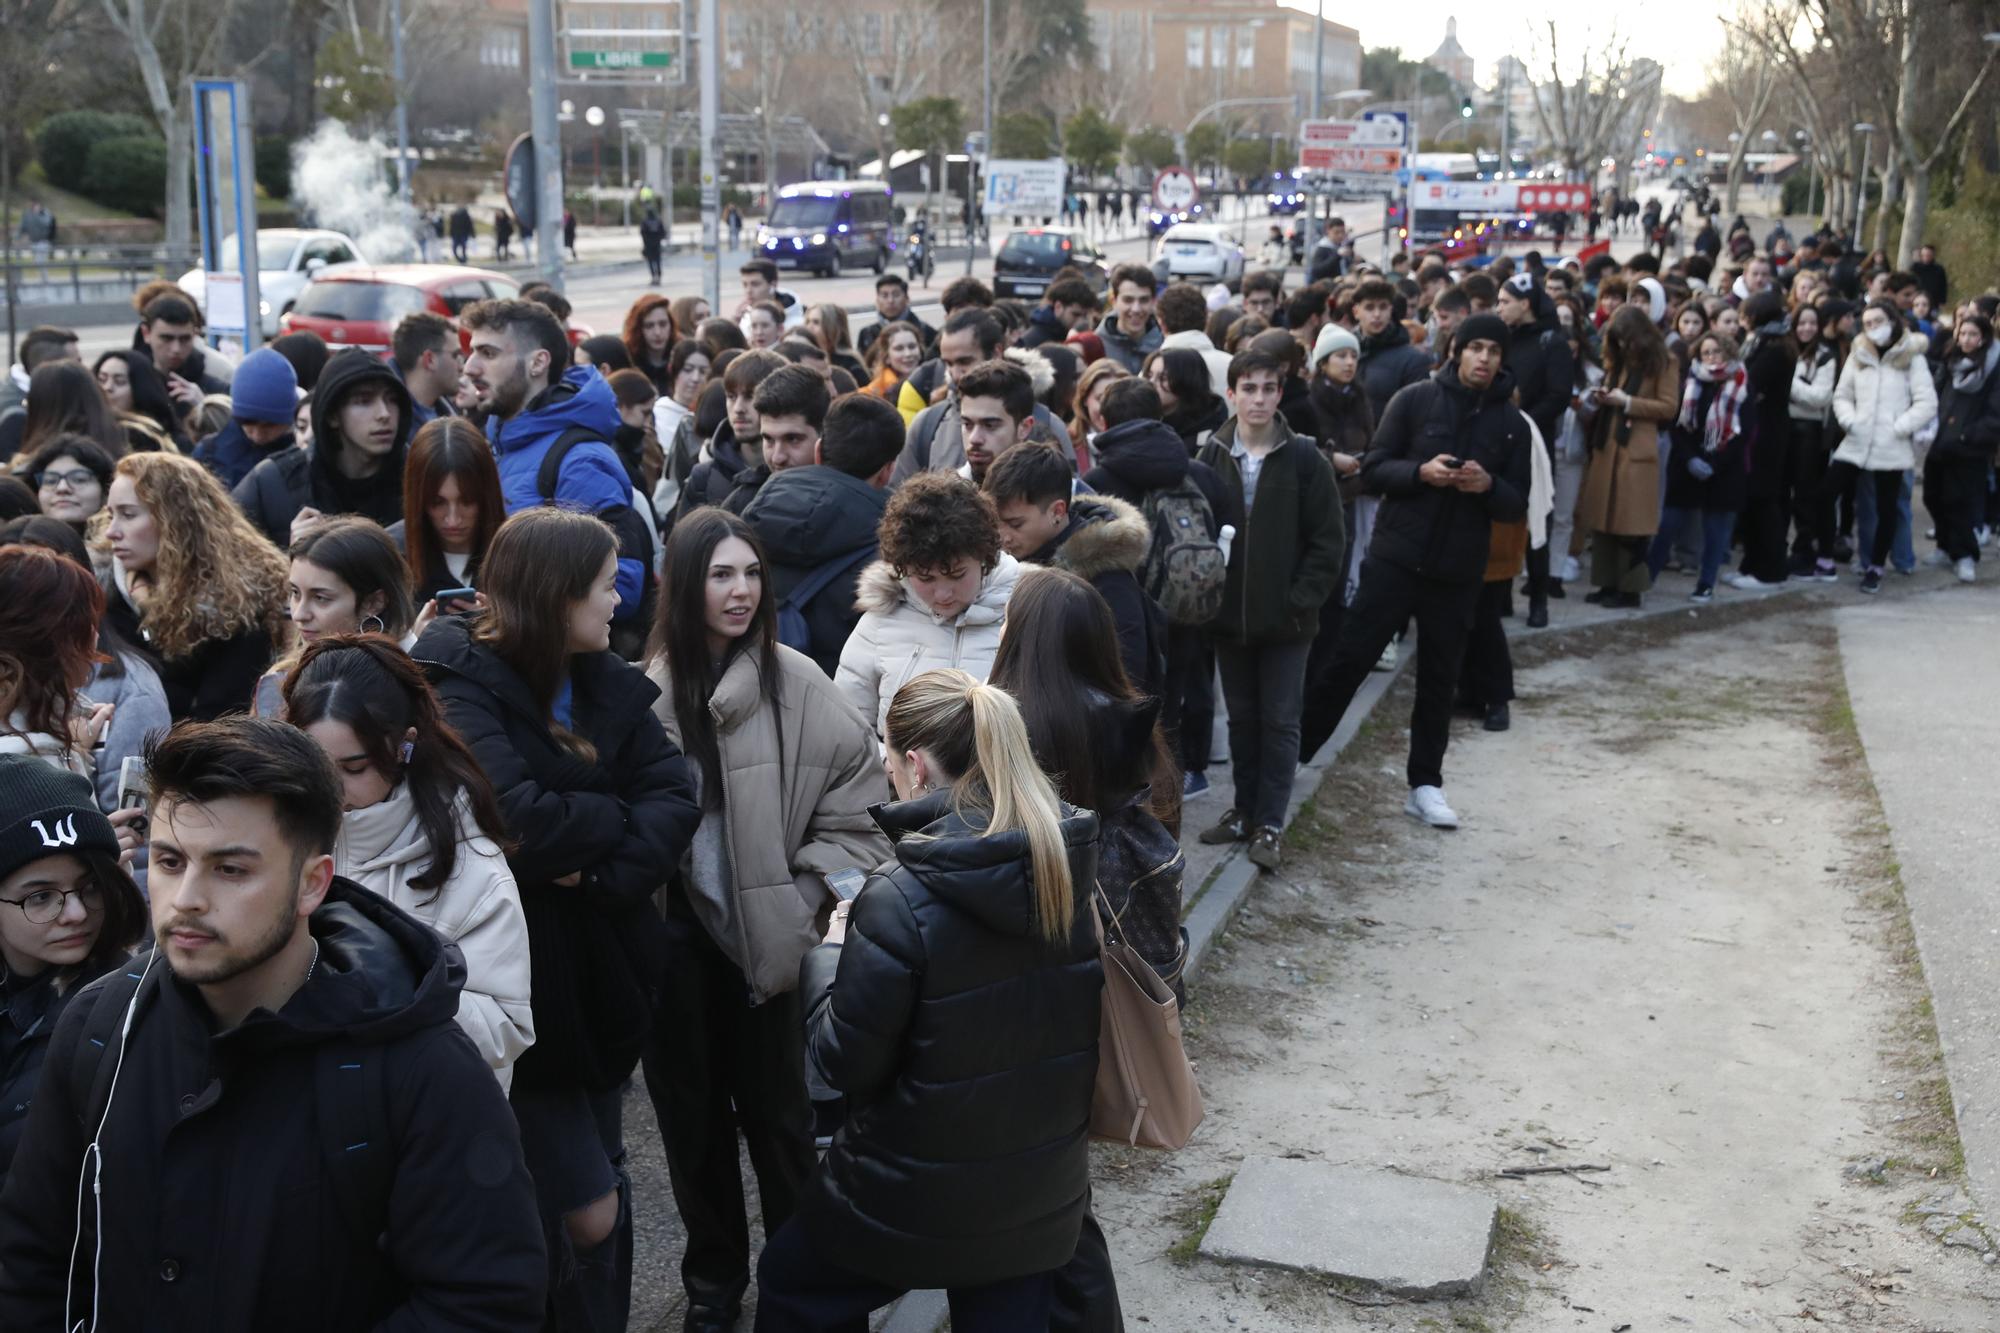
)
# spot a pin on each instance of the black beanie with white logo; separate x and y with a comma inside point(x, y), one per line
point(44, 811)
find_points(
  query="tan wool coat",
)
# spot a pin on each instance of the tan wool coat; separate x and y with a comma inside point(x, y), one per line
point(1621, 482)
point(797, 783)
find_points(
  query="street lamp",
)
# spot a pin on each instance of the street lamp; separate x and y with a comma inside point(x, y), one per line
point(1866, 130)
point(594, 117)
point(1804, 142)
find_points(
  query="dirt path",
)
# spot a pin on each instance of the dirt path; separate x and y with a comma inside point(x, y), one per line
point(1669, 940)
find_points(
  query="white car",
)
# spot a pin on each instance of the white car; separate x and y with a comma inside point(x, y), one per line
point(287, 259)
point(1204, 251)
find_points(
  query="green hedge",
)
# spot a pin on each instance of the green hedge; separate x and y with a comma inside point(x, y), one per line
point(64, 141)
point(128, 173)
point(274, 167)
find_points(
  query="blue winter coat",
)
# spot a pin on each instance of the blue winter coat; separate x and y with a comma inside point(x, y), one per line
point(591, 477)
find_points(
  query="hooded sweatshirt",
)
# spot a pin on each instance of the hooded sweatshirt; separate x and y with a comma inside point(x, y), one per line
point(806, 517)
point(283, 484)
point(1130, 353)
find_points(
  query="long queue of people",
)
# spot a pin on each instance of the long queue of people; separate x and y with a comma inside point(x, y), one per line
point(778, 717)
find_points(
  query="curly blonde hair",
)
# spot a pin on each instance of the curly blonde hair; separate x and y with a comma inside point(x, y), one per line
point(215, 576)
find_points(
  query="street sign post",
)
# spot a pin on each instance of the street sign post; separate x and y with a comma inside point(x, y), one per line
point(1021, 187)
point(1175, 189)
point(1371, 147)
point(621, 59)
point(1352, 161)
point(226, 205)
point(1375, 132)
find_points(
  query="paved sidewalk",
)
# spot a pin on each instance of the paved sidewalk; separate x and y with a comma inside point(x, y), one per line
point(1919, 675)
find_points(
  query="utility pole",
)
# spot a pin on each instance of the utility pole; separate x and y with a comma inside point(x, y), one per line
point(1319, 79)
point(547, 139)
point(1506, 117)
point(711, 190)
point(986, 146)
point(402, 103)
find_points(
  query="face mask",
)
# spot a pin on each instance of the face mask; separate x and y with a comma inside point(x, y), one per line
point(1881, 334)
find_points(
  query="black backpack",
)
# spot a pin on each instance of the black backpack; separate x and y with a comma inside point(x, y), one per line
point(635, 540)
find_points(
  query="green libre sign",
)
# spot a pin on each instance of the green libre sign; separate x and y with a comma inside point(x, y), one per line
point(621, 59)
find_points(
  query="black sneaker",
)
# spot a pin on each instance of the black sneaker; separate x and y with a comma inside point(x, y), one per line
point(1599, 596)
point(1497, 719)
point(1538, 613)
point(1623, 601)
point(1232, 827)
point(1872, 581)
point(1267, 849)
point(1556, 589)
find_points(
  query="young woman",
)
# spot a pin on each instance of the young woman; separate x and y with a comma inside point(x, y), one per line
point(1707, 469)
point(421, 826)
point(763, 325)
point(1961, 459)
point(135, 389)
point(63, 399)
point(49, 609)
point(894, 357)
point(648, 336)
point(192, 583)
point(827, 325)
point(601, 809)
point(1768, 361)
point(937, 596)
point(689, 313)
point(786, 770)
point(634, 442)
point(1088, 423)
point(1689, 325)
point(1815, 363)
point(71, 476)
point(687, 370)
point(452, 506)
point(1884, 397)
point(1187, 395)
point(1619, 504)
point(970, 1000)
point(346, 578)
point(66, 918)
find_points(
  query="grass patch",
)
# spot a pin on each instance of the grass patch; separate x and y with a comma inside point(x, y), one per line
point(32, 184)
point(1193, 1217)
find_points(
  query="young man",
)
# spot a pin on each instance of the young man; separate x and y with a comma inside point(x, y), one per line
point(1129, 332)
point(1450, 308)
point(1263, 295)
point(965, 301)
point(1096, 537)
point(231, 1125)
point(1284, 563)
point(892, 305)
point(818, 522)
point(428, 355)
point(956, 435)
point(1544, 372)
point(1931, 275)
point(789, 405)
point(760, 283)
point(537, 402)
point(1183, 315)
point(354, 465)
point(1306, 312)
point(1068, 305)
point(1329, 258)
point(169, 330)
point(1450, 459)
point(735, 453)
point(263, 400)
point(1389, 361)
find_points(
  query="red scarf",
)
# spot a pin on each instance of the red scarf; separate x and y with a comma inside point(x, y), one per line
point(1725, 416)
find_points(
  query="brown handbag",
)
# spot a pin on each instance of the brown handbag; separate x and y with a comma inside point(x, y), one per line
point(1146, 1095)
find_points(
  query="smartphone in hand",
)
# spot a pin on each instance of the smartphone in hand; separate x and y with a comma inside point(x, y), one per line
point(845, 884)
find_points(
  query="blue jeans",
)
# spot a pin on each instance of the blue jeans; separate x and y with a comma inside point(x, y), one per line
point(1716, 527)
point(1904, 553)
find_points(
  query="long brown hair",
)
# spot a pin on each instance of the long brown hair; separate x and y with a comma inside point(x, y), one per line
point(975, 733)
point(1095, 374)
point(49, 609)
point(64, 399)
point(634, 337)
point(1633, 344)
point(542, 562)
point(370, 685)
point(448, 447)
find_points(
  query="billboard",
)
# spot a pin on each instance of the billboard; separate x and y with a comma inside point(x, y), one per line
point(1024, 185)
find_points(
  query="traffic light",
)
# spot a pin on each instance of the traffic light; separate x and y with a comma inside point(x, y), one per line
point(1465, 109)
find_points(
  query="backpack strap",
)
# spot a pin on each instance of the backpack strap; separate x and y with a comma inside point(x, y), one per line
point(822, 577)
point(355, 1142)
point(96, 1057)
point(552, 461)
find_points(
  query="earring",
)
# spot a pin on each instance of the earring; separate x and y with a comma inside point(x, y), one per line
point(409, 748)
point(381, 626)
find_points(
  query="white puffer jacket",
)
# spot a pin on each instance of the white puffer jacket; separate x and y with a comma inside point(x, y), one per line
point(898, 637)
point(1883, 400)
point(383, 847)
point(1812, 384)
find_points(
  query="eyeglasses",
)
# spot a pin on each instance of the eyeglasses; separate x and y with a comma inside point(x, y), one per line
point(45, 905)
point(76, 478)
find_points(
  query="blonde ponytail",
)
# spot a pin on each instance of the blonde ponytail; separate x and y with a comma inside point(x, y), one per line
point(976, 733)
point(1023, 799)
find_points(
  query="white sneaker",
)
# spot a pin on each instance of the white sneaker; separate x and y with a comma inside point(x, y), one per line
point(1428, 805)
point(1936, 560)
point(1571, 570)
point(1982, 534)
point(1747, 582)
point(1387, 661)
point(1968, 569)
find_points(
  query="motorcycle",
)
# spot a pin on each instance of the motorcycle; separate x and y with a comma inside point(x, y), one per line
point(922, 263)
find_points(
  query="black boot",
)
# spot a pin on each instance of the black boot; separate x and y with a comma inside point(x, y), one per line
point(1497, 719)
point(1538, 612)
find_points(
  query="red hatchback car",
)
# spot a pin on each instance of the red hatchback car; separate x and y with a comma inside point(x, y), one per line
point(360, 306)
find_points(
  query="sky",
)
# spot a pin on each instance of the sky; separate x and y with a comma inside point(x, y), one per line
point(1682, 37)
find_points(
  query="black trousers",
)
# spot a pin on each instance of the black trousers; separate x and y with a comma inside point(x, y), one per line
point(1086, 1290)
point(1487, 678)
point(1955, 493)
point(799, 1291)
point(1388, 598)
point(1316, 726)
point(715, 1067)
point(1762, 526)
point(653, 268)
point(1807, 469)
point(1188, 711)
point(1888, 494)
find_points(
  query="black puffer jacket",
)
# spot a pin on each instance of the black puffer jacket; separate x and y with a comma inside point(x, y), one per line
point(283, 484)
point(623, 821)
point(808, 516)
point(219, 676)
point(1106, 542)
point(1431, 530)
point(221, 1204)
point(724, 478)
point(29, 1010)
point(966, 1047)
point(1135, 458)
point(1544, 372)
point(1389, 362)
point(1969, 418)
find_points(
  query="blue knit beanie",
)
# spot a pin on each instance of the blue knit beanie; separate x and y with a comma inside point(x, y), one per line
point(266, 388)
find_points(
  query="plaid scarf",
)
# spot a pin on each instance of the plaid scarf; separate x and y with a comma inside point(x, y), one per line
point(1725, 417)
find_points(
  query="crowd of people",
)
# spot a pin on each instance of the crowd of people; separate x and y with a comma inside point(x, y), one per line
point(778, 716)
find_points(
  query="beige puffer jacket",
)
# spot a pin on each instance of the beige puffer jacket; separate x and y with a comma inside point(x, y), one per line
point(899, 638)
point(796, 790)
point(383, 847)
point(1882, 401)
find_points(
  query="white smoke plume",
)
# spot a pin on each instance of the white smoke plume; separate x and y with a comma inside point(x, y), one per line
point(341, 182)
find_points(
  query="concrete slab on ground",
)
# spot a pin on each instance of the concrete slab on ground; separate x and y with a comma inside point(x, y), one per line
point(1402, 1235)
point(1919, 677)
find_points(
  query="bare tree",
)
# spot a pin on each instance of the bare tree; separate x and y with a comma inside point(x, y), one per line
point(1746, 76)
point(172, 43)
point(892, 56)
point(763, 36)
point(1794, 36)
point(1580, 112)
point(1921, 139)
point(1117, 83)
